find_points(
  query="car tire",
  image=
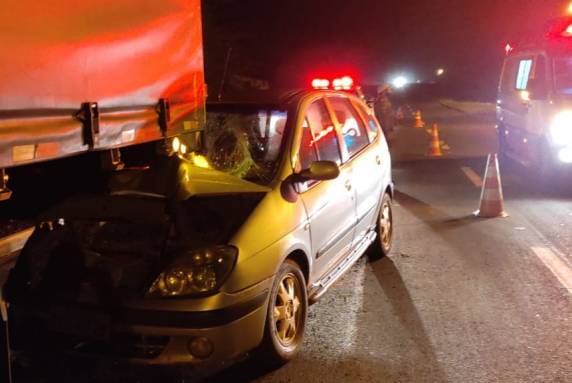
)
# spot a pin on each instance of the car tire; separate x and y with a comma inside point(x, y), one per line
point(384, 228)
point(545, 167)
point(286, 316)
point(503, 146)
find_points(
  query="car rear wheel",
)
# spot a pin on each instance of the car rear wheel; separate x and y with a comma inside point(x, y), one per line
point(503, 146)
point(384, 227)
point(545, 166)
point(286, 317)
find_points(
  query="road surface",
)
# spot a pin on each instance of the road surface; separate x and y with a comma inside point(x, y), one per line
point(460, 299)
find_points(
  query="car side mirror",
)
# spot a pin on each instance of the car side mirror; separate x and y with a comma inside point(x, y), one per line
point(318, 171)
point(321, 171)
point(537, 89)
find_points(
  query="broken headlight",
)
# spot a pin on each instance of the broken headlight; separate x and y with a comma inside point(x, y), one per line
point(195, 273)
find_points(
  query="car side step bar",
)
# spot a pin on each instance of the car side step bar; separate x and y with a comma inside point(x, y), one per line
point(320, 288)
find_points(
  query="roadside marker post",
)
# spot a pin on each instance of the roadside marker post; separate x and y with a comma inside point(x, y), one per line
point(5, 363)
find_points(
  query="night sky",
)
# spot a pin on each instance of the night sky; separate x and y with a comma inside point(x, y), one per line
point(290, 41)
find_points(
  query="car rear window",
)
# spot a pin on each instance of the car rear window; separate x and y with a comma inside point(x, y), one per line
point(372, 124)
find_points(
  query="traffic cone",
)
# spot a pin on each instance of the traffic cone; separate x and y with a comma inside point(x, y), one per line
point(434, 149)
point(492, 201)
point(418, 120)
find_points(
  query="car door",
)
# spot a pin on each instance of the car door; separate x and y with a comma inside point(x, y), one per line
point(516, 106)
point(329, 204)
point(539, 108)
point(364, 163)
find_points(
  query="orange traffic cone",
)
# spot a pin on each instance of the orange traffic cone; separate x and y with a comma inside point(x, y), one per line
point(492, 201)
point(418, 120)
point(434, 149)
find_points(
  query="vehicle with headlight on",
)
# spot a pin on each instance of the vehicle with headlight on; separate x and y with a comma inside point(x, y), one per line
point(534, 106)
point(210, 254)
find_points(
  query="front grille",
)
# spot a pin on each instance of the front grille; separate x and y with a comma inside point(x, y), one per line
point(125, 346)
point(37, 329)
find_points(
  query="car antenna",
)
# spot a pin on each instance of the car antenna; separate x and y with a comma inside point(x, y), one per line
point(224, 74)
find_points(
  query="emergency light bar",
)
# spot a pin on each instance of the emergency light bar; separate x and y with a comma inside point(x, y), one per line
point(320, 83)
point(343, 83)
point(559, 28)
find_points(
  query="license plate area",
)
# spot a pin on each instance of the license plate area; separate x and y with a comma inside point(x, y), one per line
point(88, 324)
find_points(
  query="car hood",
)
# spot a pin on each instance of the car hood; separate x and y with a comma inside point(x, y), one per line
point(123, 240)
point(178, 179)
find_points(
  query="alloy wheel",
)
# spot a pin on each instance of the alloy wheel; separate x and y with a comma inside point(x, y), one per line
point(386, 224)
point(286, 311)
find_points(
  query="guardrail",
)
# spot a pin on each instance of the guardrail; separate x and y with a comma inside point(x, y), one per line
point(13, 243)
point(9, 246)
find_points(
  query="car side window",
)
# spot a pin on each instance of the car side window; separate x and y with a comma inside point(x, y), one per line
point(509, 76)
point(540, 71)
point(307, 154)
point(352, 126)
point(324, 135)
point(523, 74)
point(372, 124)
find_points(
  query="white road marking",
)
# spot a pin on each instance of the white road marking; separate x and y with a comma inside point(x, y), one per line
point(556, 264)
point(14, 242)
point(472, 176)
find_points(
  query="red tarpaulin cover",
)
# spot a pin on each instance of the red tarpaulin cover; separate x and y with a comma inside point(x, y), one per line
point(124, 55)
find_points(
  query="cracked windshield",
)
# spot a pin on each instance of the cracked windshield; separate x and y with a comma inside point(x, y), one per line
point(245, 142)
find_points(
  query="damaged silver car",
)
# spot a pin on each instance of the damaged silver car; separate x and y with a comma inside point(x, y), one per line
point(213, 253)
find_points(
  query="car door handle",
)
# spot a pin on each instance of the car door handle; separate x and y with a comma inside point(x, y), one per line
point(348, 185)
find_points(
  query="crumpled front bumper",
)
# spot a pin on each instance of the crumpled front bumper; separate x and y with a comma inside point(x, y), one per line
point(160, 337)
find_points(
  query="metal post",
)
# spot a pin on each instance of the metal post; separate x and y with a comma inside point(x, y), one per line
point(111, 160)
point(5, 365)
point(224, 74)
point(5, 193)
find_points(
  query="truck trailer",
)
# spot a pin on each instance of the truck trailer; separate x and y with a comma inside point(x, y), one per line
point(96, 76)
point(81, 82)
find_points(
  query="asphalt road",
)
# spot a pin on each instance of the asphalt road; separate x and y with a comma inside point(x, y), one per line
point(460, 299)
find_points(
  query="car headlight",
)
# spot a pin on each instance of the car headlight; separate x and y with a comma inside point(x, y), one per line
point(561, 128)
point(195, 273)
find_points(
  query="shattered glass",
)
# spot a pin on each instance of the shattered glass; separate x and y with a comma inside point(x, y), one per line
point(245, 142)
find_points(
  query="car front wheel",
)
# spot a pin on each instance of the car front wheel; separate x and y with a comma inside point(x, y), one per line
point(546, 168)
point(286, 317)
point(503, 145)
